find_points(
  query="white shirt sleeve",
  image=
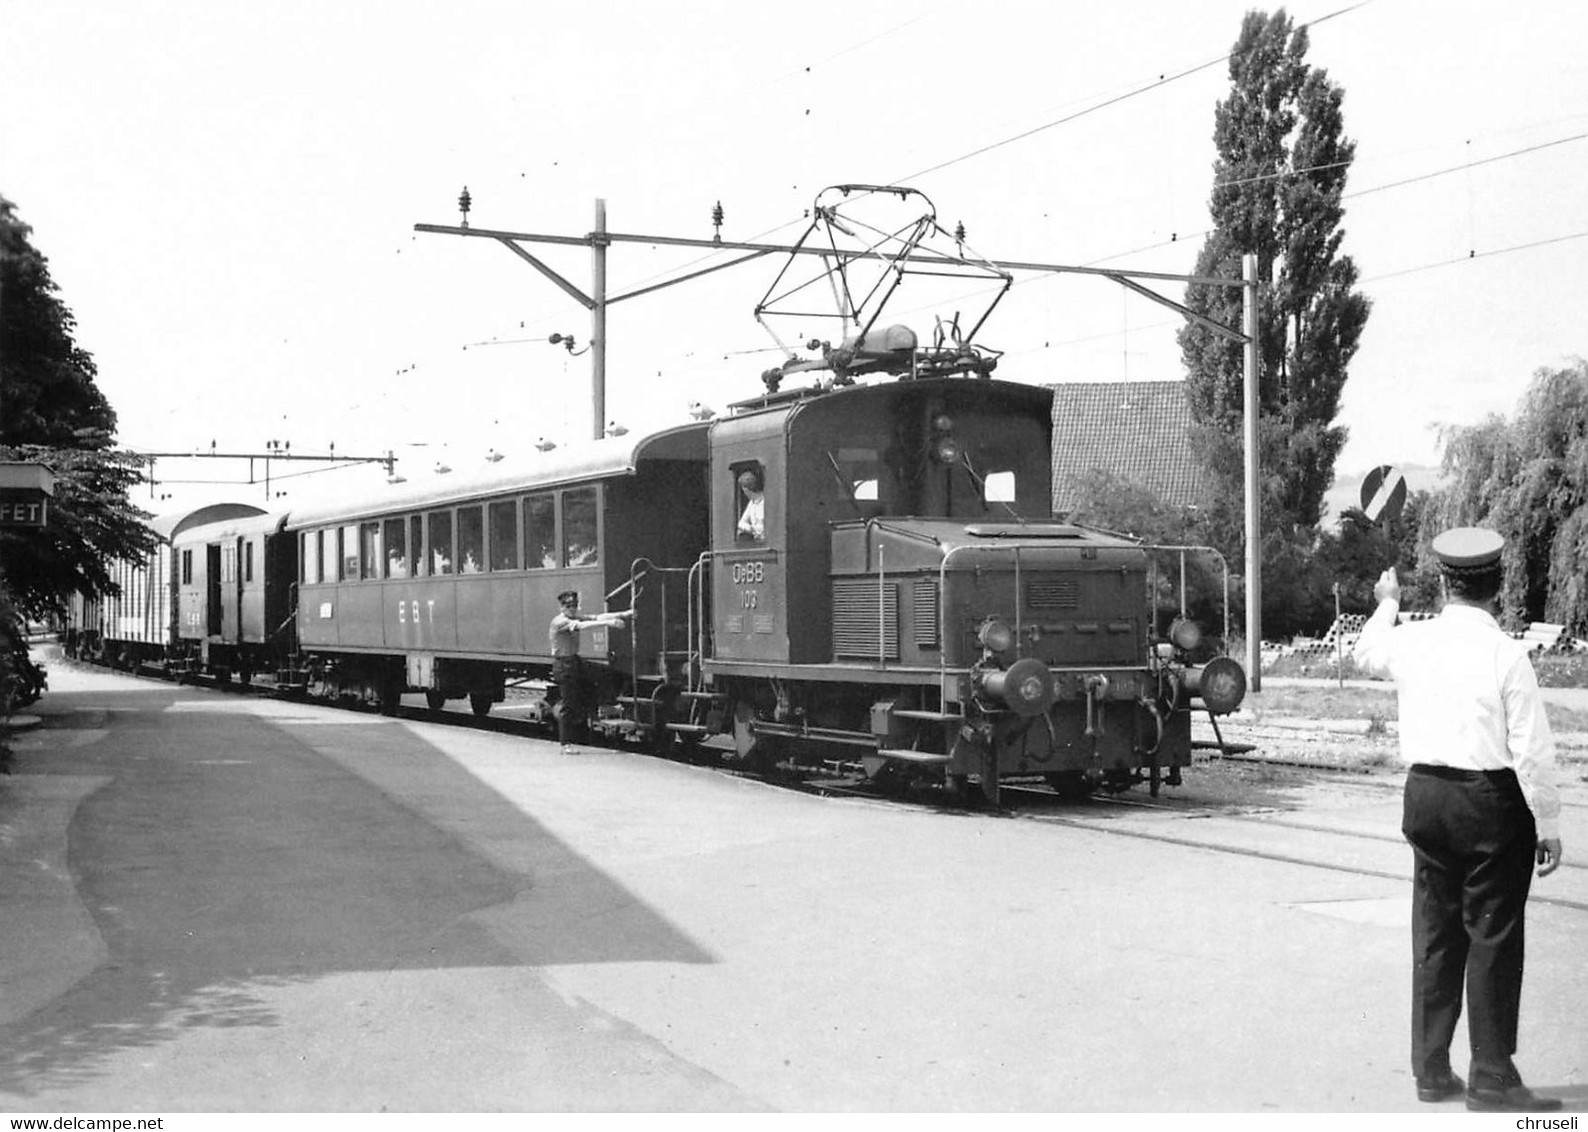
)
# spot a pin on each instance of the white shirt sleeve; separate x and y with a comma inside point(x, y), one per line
point(1373, 652)
point(1532, 745)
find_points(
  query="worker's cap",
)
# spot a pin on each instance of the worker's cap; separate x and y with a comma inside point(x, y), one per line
point(1468, 550)
point(568, 595)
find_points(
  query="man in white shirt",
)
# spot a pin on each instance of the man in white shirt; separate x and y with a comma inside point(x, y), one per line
point(1481, 808)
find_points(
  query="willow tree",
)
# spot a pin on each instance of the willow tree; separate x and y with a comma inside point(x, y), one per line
point(1278, 177)
point(1527, 477)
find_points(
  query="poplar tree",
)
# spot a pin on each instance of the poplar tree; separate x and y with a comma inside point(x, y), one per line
point(1280, 170)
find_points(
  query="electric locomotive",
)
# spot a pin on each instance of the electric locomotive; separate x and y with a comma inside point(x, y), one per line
point(910, 606)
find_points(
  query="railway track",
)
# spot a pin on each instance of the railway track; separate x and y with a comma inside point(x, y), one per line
point(1356, 832)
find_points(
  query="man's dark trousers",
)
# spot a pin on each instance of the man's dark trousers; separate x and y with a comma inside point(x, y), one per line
point(573, 701)
point(1473, 840)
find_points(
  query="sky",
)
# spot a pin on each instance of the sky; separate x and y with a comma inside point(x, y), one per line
point(227, 193)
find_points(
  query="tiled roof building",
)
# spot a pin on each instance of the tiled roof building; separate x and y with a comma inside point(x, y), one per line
point(1138, 430)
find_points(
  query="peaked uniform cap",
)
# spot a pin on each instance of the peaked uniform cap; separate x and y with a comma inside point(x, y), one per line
point(568, 595)
point(1468, 549)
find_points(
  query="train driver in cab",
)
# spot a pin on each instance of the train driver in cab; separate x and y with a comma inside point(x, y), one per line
point(567, 670)
point(752, 517)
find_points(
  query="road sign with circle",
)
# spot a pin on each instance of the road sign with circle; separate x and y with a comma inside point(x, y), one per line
point(1383, 494)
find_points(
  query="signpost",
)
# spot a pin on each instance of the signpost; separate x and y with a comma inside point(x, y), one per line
point(1383, 494)
point(25, 491)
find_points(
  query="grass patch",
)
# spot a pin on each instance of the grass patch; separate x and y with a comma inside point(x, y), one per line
point(1325, 700)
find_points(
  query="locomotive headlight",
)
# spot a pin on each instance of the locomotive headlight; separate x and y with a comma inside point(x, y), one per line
point(944, 448)
point(995, 635)
point(1185, 634)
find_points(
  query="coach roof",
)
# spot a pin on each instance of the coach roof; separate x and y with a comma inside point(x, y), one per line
point(591, 460)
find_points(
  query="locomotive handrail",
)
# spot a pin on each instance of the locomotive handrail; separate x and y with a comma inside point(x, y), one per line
point(697, 620)
point(1223, 563)
point(639, 570)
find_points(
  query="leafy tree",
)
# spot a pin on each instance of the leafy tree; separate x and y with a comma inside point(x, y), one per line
point(47, 390)
point(1110, 502)
point(52, 413)
point(1528, 479)
point(1278, 178)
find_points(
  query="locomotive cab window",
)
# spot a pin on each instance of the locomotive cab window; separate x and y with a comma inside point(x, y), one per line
point(749, 493)
point(860, 477)
point(999, 487)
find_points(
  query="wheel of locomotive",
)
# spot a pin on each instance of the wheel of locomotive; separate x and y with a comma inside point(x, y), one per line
point(1070, 785)
point(435, 700)
point(480, 703)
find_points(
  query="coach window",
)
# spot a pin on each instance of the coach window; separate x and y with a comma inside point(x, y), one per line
point(307, 562)
point(347, 552)
point(440, 523)
point(504, 535)
point(369, 549)
point(396, 548)
point(471, 540)
point(416, 551)
point(248, 561)
point(320, 573)
point(228, 563)
point(540, 532)
point(187, 567)
point(579, 536)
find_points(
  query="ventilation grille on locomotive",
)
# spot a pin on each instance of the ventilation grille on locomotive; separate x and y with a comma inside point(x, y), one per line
point(858, 616)
point(926, 613)
point(1053, 593)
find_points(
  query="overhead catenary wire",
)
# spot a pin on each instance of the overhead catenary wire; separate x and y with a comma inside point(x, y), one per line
point(1178, 237)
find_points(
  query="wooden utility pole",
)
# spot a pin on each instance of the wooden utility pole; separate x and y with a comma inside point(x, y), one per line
point(1254, 539)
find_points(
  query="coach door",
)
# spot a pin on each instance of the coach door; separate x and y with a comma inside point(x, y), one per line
point(212, 590)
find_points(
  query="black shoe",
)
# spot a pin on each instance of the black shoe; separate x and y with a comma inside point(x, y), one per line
point(1442, 1088)
point(1513, 1098)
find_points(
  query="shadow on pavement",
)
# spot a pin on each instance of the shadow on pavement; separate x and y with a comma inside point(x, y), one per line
point(227, 855)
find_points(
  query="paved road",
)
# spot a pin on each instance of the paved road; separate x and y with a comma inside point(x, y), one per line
point(217, 903)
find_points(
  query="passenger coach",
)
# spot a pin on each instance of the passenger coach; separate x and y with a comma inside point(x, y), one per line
point(450, 587)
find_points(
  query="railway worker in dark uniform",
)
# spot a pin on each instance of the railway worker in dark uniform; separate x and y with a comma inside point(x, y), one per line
point(1481, 809)
point(567, 668)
